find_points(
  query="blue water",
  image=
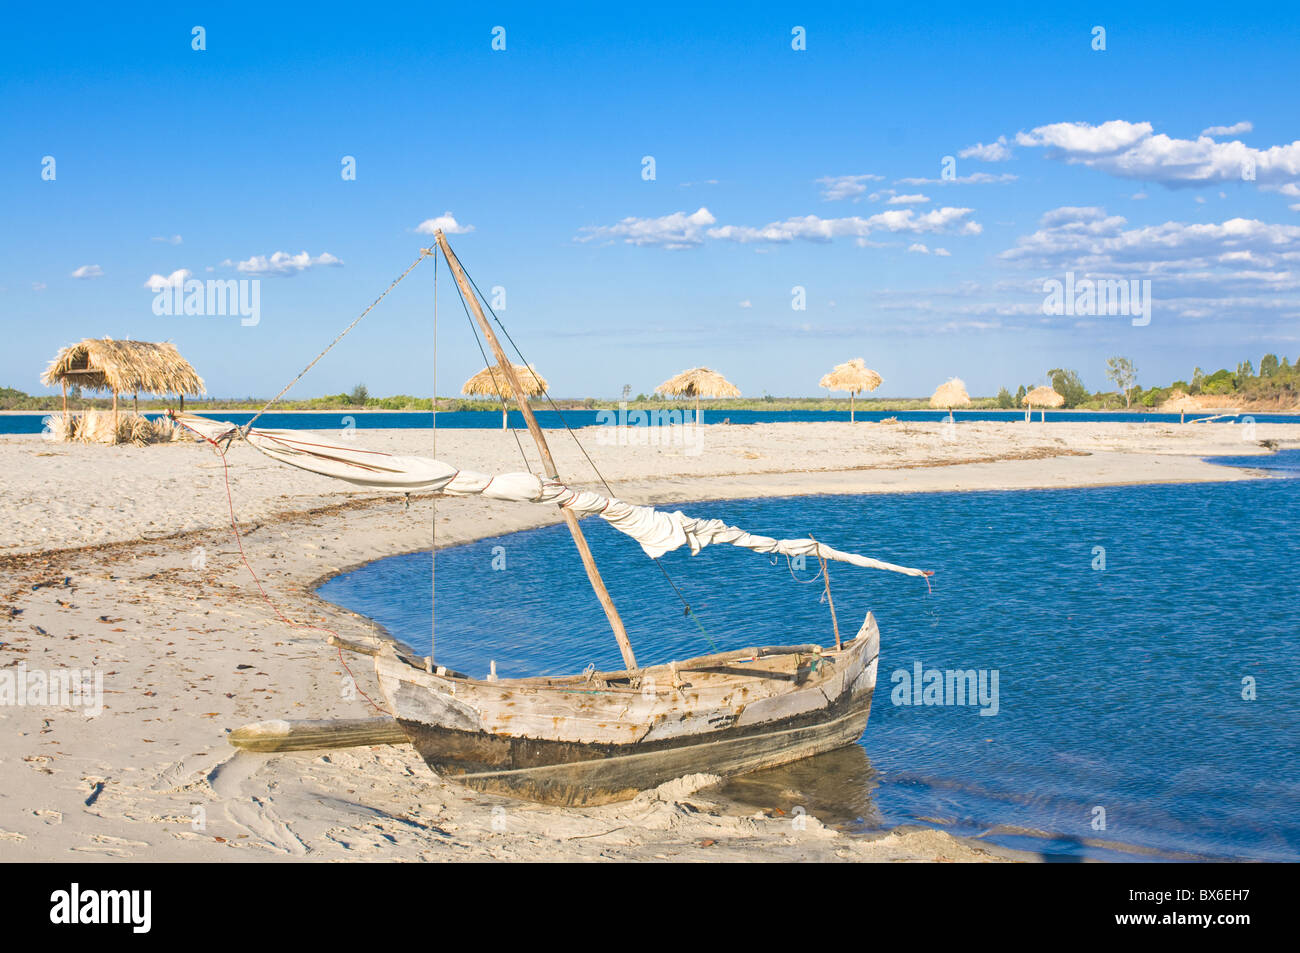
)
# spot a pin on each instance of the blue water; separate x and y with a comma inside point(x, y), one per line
point(1119, 687)
point(550, 419)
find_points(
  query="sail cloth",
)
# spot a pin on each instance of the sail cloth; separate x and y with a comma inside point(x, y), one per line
point(657, 531)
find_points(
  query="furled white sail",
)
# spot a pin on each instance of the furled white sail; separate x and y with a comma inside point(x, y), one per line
point(657, 531)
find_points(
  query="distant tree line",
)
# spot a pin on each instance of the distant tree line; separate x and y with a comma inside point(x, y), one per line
point(1278, 380)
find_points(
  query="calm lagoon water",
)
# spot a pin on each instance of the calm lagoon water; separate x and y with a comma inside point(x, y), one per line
point(1119, 688)
point(549, 419)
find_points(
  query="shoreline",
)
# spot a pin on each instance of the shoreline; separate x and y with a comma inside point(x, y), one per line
point(191, 652)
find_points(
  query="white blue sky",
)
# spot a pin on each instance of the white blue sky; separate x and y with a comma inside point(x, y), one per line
point(774, 168)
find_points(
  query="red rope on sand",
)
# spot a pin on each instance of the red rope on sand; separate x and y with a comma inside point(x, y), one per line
point(230, 501)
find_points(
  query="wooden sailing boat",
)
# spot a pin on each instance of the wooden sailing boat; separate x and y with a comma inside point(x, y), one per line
point(589, 739)
point(599, 736)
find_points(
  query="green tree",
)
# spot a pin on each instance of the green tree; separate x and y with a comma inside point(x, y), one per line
point(359, 396)
point(1124, 374)
point(1020, 395)
point(1245, 371)
point(1268, 365)
point(1005, 400)
point(1068, 385)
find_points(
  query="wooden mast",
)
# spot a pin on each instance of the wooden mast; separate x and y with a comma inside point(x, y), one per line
point(588, 561)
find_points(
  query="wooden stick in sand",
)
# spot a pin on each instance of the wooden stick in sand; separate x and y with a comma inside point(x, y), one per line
point(284, 735)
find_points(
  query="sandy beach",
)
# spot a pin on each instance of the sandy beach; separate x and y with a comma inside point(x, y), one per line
point(122, 559)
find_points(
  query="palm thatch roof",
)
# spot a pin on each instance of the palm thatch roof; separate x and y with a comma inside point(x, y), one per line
point(949, 395)
point(1042, 397)
point(492, 382)
point(698, 382)
point(852, 376)
point(124, 367)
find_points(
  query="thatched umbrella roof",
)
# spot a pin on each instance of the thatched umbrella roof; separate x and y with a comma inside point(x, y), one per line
point(492, 382)
point(1042, 397)
point(124, 367)
point(950, 395)
point(698, 382)
point(852, 376)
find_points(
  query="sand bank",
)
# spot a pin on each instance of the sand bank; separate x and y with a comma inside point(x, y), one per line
point(121, 560)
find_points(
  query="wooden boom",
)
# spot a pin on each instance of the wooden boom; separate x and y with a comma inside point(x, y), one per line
point(507, 368)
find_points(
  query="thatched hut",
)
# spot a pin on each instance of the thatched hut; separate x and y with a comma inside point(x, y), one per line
point(1041, 397)
point(493, 382)
point(123, 367)
point(698, 382)
point(949, 395)
point(852, 376)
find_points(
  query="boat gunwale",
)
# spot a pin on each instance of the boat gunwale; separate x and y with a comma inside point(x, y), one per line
point(698, 664)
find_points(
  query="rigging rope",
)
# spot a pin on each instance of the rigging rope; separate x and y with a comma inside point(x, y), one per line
point(433, 533)
point(424, 253)
point(489, 366)
point(600, 476)
point(239, 542)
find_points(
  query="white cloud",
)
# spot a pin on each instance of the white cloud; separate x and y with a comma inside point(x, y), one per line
point(38, 286)
point(816, 229)
point(835, 187)
point(1131, 150)
point(174, 240)
point(88, 271)
point(746, 303)
point(992, 152)
point(943, 253)
point(916, 199)
point(1081, 138)
point(1074, 215)
point(175, 280)
point(678, 230)
point(975, 178)
point(282, 263)
point(918, 248)
point(1241, 257)
point(1236, 129)
point(447, 222)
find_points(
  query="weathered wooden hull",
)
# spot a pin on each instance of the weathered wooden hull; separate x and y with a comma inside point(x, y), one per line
point(561, 741)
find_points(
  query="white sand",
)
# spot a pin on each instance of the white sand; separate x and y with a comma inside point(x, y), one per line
point(97, 557)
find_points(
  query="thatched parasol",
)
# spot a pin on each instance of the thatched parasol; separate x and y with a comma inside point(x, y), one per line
point(123, 367)
point(1180, 403)
point(950, 395)
point(1041, 397)
point(852, 376)
point(698, 382)
point(492, 382)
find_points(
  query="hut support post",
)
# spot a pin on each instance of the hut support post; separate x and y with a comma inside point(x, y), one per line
point(504, 410)
point(570, 520)
point(697, 410)
point(114, 416)
point(182, 396)
point(852, 395)
point(65, 400)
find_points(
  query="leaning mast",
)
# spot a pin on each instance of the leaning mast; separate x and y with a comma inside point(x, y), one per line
point(548, 463)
